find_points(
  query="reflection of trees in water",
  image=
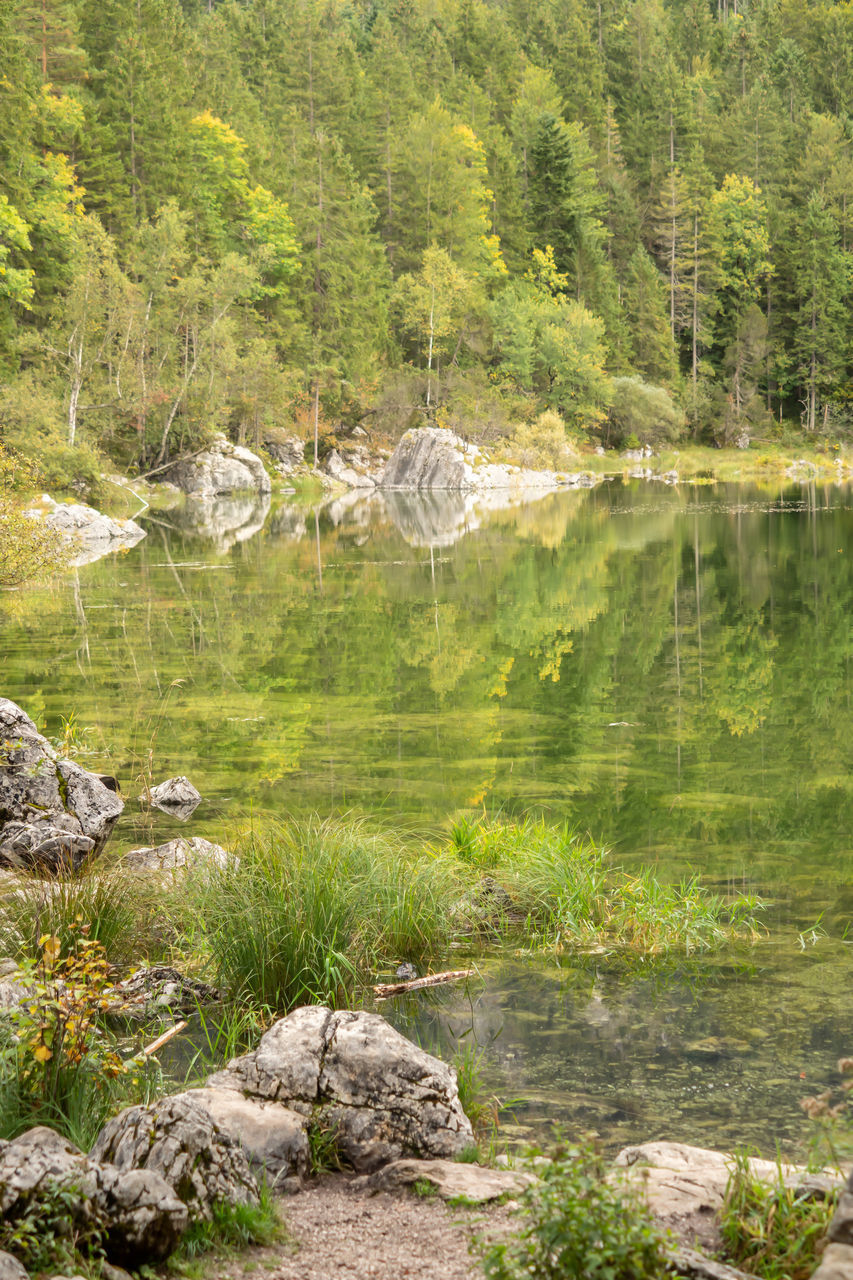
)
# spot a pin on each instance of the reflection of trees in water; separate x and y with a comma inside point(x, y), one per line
point(676, 676)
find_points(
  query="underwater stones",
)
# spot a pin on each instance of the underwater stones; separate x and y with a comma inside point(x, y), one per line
point(53, 813)
point(178, 1140)
point(382, 1096)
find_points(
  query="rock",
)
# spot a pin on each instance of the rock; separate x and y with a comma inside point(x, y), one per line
point(380, 1095)
point(288, 522)
point(222, 468)
point(836, 1263)
point(142, 1217)
point(178, 1139)
point(741, 441)
point(406, 972)
point(686, 1185)
point(288, 451)
point(637, 455)
point(158, 991)
point(841, 1227)
point(185, 853)
point(345, 472)
point(53, 813)
point(177, 796)
point(87, 532)
point(450, 1179)
point(433, 458)
point(687, 1262)
point(11, 1268)
point(274, 1138)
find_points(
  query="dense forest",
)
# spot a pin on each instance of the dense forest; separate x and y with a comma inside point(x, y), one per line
point(233, 215)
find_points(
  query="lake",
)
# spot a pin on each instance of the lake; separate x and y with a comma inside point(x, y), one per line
point(671, 668)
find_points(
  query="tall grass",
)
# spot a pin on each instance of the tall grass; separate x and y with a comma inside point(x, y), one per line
point(312, 908)
point(553, 889)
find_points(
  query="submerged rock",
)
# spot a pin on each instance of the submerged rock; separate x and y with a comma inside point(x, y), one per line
point(88, 533)
point(141, 1216)
point(382, 1096)
point(53, 813)
point(221, 468)
point(177, 796)
point(178, 1140)
point(185, 853)
point(159, 990)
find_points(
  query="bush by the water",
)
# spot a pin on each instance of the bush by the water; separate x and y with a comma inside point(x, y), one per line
point(644, 412)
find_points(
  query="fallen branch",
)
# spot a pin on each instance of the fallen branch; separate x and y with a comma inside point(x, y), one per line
point(163, 1039)
point(385, 989)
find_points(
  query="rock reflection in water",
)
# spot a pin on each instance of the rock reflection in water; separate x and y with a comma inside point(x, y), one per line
point(222, 521)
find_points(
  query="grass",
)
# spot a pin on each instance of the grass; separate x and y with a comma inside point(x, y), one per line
point(231, 1228)
point(764, 460)
point(549, 889)
point(769, 1230)
point(312, 909)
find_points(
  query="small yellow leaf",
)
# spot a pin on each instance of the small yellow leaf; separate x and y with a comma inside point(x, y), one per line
point(42, 1053)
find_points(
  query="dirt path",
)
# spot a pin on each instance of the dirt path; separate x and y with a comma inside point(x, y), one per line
point(336, 1233)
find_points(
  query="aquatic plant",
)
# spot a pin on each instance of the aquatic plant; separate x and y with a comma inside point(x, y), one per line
point(311, 909)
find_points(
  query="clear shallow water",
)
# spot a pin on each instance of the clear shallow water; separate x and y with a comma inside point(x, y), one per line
point(670, 668)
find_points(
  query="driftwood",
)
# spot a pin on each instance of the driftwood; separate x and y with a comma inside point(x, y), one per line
point(163, 1039)
point(385, 989)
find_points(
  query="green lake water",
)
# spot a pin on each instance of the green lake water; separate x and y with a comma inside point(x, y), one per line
point(670, 668)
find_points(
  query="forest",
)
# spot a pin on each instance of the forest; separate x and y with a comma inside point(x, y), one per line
point(247, 214)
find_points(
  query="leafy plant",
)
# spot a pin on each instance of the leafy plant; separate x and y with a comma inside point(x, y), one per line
point(771, 1230)
point(579, 1222)
point(323, 1154)
point(59, 1067)
point(28, 547)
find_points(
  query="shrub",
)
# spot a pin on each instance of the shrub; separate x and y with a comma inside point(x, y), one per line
point(542, 444)
point(28, 547)
point(579, 1224)
point(645, 412)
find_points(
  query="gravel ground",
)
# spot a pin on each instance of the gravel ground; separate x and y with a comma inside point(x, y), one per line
point(335, 1233)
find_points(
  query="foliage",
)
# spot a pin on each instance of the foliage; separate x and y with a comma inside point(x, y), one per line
point(770, 1229)
point(541, 444)
point(51, 1233)
point(642, 411)
point(28, 547)
point(59, 1068)
point(579, 1221)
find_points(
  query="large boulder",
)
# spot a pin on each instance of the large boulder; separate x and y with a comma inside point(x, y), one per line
point(142, 1218)
point(221, 468)
point(431, 458)
point(53, 813)
point(274, 1138)
point(287, 451)
point(178, 1139)
point(88, 533)
point(379, 1095)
